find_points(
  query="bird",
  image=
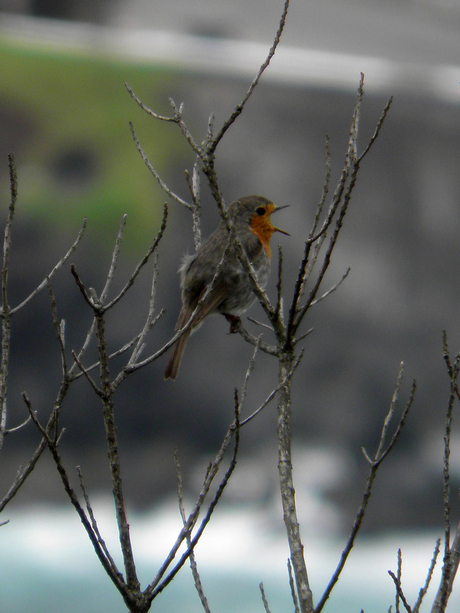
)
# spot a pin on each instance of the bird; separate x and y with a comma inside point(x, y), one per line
point(231, 291)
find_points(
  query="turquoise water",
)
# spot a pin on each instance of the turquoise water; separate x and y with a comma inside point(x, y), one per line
point(47, 565)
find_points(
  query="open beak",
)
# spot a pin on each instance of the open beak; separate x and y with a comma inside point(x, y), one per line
point(279, 208)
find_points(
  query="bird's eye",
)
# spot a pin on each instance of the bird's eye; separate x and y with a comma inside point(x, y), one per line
point(260, 210)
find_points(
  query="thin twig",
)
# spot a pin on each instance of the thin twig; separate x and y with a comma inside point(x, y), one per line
point(279, 295)
point(239, 108)
point(275, 391)
point(295, 600)
point(85, 372)
point(251, 365)
point(451, 556)
point(399, 578)
point(143, 262)
point(286, 484)
point(150, 320)
point(390, 413)
point(6, 309)
point(340, 201)
point(159, 180)
point(253, 340)
point(302, 336)
point(183, 128)
point(306, 266)
point(106, 396)
point(94, 525)
point(16, 428)
point(192, 559)
point(194, 187)
point(146, 108)
point(423, 590)
point(264, 598)
point(82, 287)
point(332, 289)
point(114, 575)
point(156, 587)
point(399, 592)
point(377, 129)
point(374, 466)
point(260, 323)
point(59, 329)
point(51, 274)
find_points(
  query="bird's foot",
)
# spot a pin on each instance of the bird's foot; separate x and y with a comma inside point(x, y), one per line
point(233, 320)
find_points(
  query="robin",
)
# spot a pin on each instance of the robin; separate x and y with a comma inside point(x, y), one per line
point(231, 292)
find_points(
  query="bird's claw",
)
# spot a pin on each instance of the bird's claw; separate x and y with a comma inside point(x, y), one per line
point(233, 320)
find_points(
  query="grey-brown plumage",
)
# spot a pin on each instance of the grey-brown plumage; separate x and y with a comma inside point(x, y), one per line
point(231, 292)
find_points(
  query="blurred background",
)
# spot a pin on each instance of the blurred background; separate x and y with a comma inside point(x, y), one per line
point(64, 112)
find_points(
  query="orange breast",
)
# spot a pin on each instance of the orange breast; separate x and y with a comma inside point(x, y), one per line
point(263, 228)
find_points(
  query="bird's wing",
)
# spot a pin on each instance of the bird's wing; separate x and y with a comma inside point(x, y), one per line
point(216, 296)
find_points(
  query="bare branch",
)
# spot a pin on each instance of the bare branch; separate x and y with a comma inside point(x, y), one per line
point(374, 466)
point(194, 186)
point(50, 275)
point(193, 564)
point(286, 483)
point(106, 396)
point(114, 575)
point(390, 413)
point(114, 260)
point(302, 336)
point(94, 525)
point(8, 226)
point(159, 180)
point(306, 265)
point(264, 598)
point(423, 590)
point(85, 372)
point(295, 600)
point(145, 108)
point(105, 292)
point(340, 201)
point(239, 108)
point(5, 311)
point(253, 340)
point(319, 208)
point(22, 474)
point(399, 592)
point(260, 323)
point(333, 288)
point(16, 428)
point(377, 129)
point(273, 393)
point(155, 586)
point(451, 554)
point(144, 260)
point(150, 320)
point(82, 288)
point(252, 363)
point(398, 577)
point(279, 299)
point(183, 128)
point(59, 329)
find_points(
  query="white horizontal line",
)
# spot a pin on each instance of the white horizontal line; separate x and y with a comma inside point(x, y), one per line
point(301, 66)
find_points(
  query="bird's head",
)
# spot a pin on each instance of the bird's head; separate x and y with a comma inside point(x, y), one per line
point(255, 212)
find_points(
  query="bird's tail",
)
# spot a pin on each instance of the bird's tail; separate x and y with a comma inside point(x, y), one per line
point(172, 367)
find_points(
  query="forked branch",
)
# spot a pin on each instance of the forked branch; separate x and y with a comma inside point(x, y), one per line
point(383, 449)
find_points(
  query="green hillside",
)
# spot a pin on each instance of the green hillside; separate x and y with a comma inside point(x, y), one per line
point(66, 117)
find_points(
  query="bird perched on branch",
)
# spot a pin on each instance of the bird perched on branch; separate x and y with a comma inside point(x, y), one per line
point(231, 290)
